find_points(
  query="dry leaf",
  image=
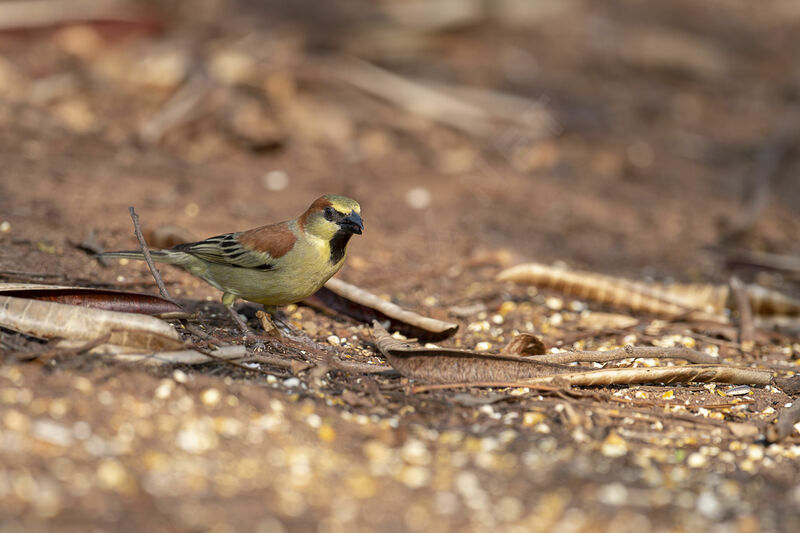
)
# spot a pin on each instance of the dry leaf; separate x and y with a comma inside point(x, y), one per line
point(442, 365)
point(50, 320)
point(108, 300)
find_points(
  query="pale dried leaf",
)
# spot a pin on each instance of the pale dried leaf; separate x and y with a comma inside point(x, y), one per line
point(54, 320)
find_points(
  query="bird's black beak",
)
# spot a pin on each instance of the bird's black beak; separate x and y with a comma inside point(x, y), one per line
point(352, 223)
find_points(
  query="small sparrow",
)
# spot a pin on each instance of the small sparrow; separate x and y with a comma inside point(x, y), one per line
point(272, 265)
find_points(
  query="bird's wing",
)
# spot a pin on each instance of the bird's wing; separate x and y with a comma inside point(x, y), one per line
point(229, 251)
point(258, 248)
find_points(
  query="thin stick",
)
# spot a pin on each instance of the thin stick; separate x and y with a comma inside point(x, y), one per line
point(667, 375)
point(146, 252)
point(655, 352)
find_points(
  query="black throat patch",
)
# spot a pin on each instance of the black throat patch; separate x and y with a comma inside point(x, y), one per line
point(338, 245)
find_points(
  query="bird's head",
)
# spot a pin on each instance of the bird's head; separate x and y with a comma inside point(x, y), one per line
point(332, 215)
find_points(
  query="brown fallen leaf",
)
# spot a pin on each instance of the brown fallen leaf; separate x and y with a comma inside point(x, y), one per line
point(108, 300)
point(444, 365)
point(366, 307)
point(51, 320)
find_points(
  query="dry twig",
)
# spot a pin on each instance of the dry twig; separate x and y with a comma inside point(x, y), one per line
point(137, 228)
point(630, 352)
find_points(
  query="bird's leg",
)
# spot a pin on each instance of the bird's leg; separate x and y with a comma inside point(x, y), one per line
point(227, 301)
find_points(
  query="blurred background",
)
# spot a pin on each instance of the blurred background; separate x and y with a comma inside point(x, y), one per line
point(628, 137)
point(617, 135)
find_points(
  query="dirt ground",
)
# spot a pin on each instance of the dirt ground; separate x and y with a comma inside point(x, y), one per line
point(647, 140)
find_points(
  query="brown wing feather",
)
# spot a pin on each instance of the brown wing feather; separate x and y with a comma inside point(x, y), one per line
point(275, 239)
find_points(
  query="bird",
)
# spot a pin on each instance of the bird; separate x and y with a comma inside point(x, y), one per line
point(273, 265)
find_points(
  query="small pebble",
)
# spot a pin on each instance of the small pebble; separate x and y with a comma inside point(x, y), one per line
point(291, 382)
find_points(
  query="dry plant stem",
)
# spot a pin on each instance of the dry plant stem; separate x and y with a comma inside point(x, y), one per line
point(746, 328)
point(137, 228)
point(676, 374)
point(654, 352)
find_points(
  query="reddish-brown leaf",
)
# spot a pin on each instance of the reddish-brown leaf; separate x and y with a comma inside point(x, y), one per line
point(109, 300)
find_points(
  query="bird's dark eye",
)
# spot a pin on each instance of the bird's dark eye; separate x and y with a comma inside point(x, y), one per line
point(329, 213)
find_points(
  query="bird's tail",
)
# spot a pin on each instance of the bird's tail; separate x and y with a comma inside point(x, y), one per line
point(159, 256)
